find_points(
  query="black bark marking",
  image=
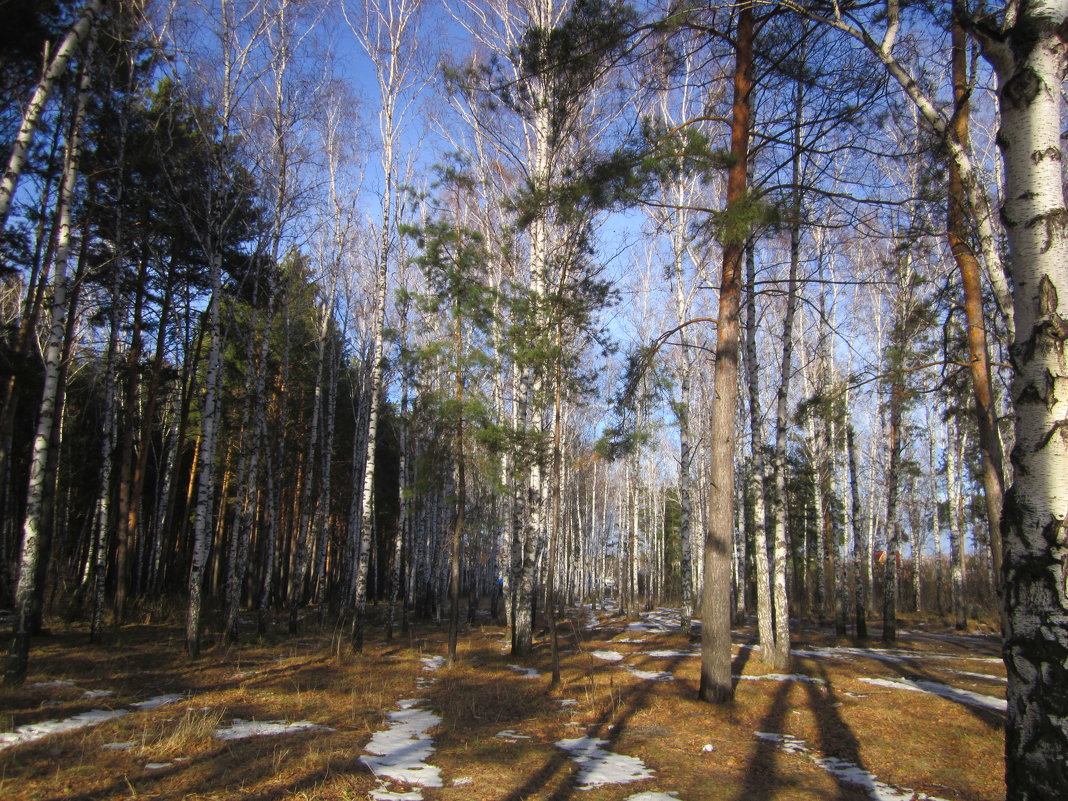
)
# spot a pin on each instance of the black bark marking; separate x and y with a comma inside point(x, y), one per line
point(1060, 426)
point(1047, 297)
point(1056, 221)
point(1052, 153)
point(1022, 88)
point(1030, 394)
point(1062, 30)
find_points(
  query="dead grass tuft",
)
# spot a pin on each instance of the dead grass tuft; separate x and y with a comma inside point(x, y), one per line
point(169, 738)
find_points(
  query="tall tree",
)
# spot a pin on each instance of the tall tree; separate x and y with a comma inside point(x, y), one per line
point(1027, 48)
point(716, 683)
point(51, 394)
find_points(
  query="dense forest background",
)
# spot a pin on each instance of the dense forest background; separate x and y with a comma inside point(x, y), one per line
point(314, 307)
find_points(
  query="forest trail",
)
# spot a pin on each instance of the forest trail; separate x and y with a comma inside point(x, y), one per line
point(288, 718)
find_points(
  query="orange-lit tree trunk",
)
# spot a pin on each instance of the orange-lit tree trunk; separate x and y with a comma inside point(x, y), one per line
point(716, 684)
point(990, 452)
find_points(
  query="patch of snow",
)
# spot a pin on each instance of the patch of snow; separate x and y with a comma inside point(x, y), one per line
point(528, 673)
point(666, 653)
point(708, 748)
point(567, 702)
point(400, 752)
point(650, 796)
point(632, 640)
point(650, 675)
point(846, 771)
point(97, 693)
point(54, 683)
point(943, 690)
point(240, 729)
point(511, 734)
point(782, 677)
point(462, 781)
point(599, 767)
point(157, 765)
point(886, 654)
point(126, 746)
point(661, 619)
point(642, 627)
point(608, 656)
point(383, 794)
point(433, 662)
point(983, 676)
point(158, 701)
point(36, 731)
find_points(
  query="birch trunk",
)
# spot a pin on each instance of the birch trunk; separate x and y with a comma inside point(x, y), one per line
point(27, 588)
point(103, 503)
point(765, 610)
point(862, 552)
point(81, 31)
point(204, 510)
point(1029, 58)
point(897, 403)
point(780, 659)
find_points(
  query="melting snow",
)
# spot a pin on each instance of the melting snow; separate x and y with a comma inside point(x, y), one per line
point(654, 797)
point(126, 746)
point(943, 690)
point(433, 662)
point(886, 654)
point(239, 729)
point(97, 693)
point(35, 731)
point(399, 752)
point(983, 676)
point(528, 673)
point(650, 675)
point(782, 677)
point(608, 656)
point(664, 653)
point(567, 702)
point(157, 765)
point(382, 794)
point(846, 771)
point(511, 734)
point(54, 683)
point(600, 767)
point(462, 781)
point(158, 701)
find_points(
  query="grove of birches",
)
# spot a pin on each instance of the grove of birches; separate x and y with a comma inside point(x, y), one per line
point(386, 310)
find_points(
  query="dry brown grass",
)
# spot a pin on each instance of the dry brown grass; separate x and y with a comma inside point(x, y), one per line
point(906, 739)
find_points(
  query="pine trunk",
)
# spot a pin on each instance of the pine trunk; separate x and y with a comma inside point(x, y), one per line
point(716, 683)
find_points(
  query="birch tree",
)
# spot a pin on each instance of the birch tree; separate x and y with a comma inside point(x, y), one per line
point(385, 29)
point(1025, 45)
point(27, 589)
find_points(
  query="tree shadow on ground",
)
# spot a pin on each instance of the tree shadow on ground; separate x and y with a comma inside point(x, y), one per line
point(609, 726)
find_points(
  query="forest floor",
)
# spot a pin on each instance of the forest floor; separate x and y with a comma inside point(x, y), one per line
point(134, 719)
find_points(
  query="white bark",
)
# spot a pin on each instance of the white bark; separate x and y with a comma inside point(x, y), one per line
point(26, 590)
point(31, 118)
point(1029, 57)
